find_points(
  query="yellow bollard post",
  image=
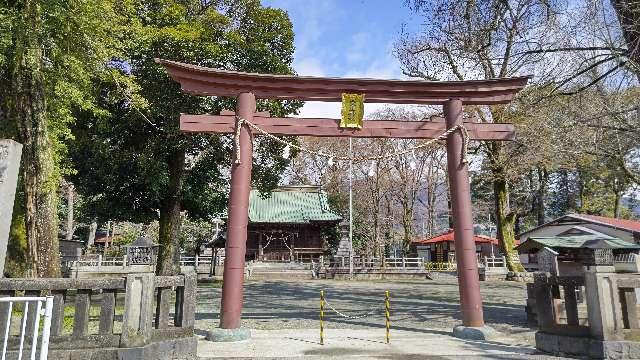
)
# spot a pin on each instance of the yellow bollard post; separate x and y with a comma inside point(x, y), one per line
point(387, 315)
point(321, 317)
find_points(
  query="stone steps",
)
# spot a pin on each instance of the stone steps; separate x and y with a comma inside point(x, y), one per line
point(281, 275)
point(279, 271)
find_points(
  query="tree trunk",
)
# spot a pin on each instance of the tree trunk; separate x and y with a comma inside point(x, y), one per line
point(70, 204)
point(431, 212)
point(169, 254)
point(581, 192)
point(407, 224)
point(628, 12)
point(616, 205)
point(541, 194)
point(505, 222)
point(27, 107)
point(92, 234)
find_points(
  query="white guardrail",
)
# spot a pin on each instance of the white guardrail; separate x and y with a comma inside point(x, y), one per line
point(122, 261)
point(40, 314)
point(408, 262)
point(199, 260)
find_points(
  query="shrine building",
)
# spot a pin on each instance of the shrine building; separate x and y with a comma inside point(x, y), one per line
point(289, 224)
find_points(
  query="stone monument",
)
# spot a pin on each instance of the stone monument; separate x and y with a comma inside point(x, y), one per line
point(10, 154)
point(548, 261)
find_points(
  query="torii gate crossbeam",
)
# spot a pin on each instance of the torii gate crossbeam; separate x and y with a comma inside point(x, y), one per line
point(246, 87)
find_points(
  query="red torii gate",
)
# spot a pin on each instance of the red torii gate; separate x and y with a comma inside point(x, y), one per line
point(246, 87)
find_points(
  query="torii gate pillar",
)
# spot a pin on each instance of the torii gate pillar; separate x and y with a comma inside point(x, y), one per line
point(467, 264)
point(235, 248)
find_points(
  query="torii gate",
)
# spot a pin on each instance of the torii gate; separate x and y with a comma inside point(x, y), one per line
point(246, 87)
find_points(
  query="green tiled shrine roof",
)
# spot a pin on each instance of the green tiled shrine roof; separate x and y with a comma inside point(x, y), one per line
point(583, 241)
point(296, 204)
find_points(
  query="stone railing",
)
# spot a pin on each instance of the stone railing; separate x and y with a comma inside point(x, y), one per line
point(556, 304)
point(372, 263)
point(97, 266)
point(116, 316)
point(371, 268)
point(604, 325)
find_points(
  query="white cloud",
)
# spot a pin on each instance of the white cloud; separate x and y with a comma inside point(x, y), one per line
point(319, 109)
point(359, 48)
point(308, 67)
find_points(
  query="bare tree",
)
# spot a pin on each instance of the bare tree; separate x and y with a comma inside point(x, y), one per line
point(483, 39)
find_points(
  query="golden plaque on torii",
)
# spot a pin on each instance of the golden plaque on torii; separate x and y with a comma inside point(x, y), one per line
point(352, 111)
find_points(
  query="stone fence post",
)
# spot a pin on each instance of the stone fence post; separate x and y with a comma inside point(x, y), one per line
point(186, 301)
point(603, 302)
point(139, 310)
point(545, 308)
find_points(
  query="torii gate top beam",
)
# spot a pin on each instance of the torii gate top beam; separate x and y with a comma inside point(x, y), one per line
point(203, 81)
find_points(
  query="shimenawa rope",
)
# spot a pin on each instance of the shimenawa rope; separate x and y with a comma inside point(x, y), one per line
point(465, 137)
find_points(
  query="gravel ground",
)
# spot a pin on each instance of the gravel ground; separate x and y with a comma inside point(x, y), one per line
point(417, 306)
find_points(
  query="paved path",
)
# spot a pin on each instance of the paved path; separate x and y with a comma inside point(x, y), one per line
point(360, 344)
point(283, 317)
point(415, 306)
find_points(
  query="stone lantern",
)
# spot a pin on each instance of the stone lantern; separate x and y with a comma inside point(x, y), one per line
point(143, 251)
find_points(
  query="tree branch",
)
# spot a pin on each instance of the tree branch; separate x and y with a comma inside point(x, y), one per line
point(596, 80)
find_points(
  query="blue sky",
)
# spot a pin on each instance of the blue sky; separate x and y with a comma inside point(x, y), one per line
point(346, 38)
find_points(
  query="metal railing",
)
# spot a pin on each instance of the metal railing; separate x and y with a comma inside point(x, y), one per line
point(494, 262)
point(373, 262)
point(200, 260)
point(407, 263)
point(30, 324)
point(342, 262)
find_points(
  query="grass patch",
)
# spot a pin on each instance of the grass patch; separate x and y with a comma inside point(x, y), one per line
point(68, 318)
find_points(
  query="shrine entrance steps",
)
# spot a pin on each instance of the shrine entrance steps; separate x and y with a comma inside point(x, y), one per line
point(278, 271)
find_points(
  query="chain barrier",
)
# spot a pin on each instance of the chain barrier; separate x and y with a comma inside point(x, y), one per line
point(387, 315)
point(369, 313)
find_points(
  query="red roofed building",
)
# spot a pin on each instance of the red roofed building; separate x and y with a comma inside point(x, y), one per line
point(441, 248)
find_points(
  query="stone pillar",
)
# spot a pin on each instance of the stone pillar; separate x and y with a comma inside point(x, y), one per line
point(465, 247)
point(138, 309)
point(10, 155)
point(603, 301)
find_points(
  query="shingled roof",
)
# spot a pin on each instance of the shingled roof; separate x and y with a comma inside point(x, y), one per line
point(578, 241)
point(623, 224)
point(291, 204)
point(449, 235)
